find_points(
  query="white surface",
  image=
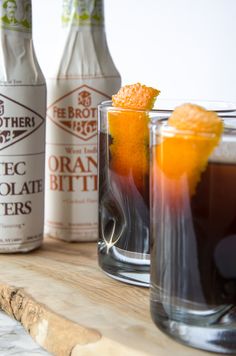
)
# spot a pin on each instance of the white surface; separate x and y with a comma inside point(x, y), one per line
point(15, 341)
point(184, 47)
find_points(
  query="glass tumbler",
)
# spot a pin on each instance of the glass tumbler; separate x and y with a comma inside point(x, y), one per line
point(193, 229)
point(124, 241)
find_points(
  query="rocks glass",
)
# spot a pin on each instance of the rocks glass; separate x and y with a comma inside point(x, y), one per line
point(124, 242)
point(193, 261)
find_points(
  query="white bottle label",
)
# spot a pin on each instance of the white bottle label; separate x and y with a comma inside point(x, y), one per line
point(22, 157)
point(71, 158)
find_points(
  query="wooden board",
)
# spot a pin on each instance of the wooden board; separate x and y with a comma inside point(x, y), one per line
point(69, 306)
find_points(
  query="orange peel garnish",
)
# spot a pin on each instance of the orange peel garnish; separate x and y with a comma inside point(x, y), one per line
point(186, 153)
point(196, 119)
point(129, 131)
point(135, 96)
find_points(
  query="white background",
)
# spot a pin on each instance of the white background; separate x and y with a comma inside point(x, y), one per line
point(186, 48)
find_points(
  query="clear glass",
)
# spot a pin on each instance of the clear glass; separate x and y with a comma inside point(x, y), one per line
point(193, 260)
point(124, 242)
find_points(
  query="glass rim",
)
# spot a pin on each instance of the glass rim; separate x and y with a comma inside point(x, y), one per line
point(161, 126)
point(166, 106)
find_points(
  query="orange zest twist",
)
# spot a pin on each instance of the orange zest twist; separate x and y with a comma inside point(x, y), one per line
point(186, 152)
point(129, 131)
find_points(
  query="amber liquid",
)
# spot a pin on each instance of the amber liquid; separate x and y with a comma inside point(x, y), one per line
point(193, 270)
point(214, 219)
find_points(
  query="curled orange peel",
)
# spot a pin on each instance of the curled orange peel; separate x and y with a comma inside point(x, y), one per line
point(186, 152)
point(129, 131)
point(135, 96)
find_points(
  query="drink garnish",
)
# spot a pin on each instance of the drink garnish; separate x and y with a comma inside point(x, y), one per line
point(196, 119)
point(129, 131)
point(135, 96)
point(185, 152)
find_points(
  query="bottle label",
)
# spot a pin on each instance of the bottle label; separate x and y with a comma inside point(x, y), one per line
point(76, 112)
point(16, 15)
point(22, 131)
point(71, 158)
point(82, 12)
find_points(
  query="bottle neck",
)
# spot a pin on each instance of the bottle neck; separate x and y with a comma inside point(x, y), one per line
point(83, 13)
point(16, 17)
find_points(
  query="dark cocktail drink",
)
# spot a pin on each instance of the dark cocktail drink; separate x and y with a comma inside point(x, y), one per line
point(193, 226)
point(124, 246)
point(213, 210)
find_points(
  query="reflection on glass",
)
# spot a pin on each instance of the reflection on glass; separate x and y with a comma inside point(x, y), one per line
point(124, 245)
point(193, 273)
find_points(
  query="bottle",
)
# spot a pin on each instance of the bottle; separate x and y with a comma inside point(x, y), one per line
point(22, 132)
point(85, 77)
